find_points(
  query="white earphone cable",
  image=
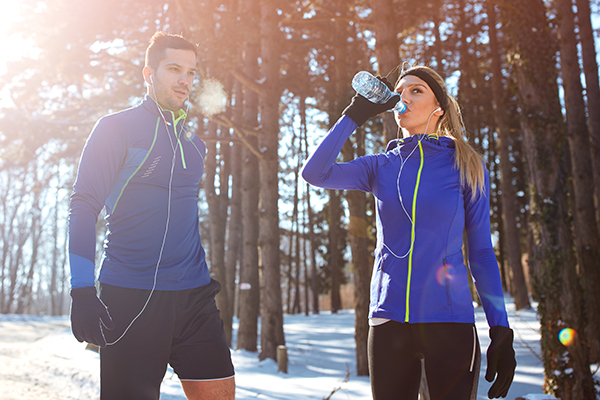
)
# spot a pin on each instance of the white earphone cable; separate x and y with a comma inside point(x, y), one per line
point(402, 163)
point(162, 247)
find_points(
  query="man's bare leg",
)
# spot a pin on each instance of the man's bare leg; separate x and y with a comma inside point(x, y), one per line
point(222, 389)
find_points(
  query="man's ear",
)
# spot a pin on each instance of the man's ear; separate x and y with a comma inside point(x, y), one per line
point(148, 72)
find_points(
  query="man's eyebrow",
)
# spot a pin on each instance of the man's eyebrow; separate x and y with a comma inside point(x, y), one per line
point(174, 64)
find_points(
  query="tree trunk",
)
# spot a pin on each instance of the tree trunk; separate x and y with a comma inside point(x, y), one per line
point(217, 206)
point(24, 300)
point(361, 262)
point(234, 226)
point(306, 219)
point(545, 148)
point(271, 309)
point(592, 90)
point(357, 203)
point(296, 236)
point(288, 274)
point(587, 240)
point(249, 287)
point(226, 295)
point(335, 254)
point(313, 253)
point(511, 235)
point(386, 50)
point(10, 240)
point(339, 96)
point(54, 276)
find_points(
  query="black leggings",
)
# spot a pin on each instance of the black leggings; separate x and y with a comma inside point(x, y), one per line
point(450, 352)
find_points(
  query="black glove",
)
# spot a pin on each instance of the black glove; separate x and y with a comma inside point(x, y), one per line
point(361, 109)
point(387, 83)
point(500, 360)
point(87, 311)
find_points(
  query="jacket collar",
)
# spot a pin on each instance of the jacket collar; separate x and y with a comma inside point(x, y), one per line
point(411, 141)
point(152, 106)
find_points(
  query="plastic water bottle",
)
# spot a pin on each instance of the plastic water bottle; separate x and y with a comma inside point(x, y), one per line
point(374, 90)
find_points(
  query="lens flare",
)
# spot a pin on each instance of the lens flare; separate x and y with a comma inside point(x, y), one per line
point(566, 336)
point(444, 274)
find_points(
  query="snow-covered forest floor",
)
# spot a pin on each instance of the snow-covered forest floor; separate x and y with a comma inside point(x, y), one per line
point(40, 359)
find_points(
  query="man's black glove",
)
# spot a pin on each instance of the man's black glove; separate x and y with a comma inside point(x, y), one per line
point(87, 312)
point(500, 360)
point(361, 109)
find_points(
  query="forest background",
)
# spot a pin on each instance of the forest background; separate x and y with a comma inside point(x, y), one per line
point(274, 75)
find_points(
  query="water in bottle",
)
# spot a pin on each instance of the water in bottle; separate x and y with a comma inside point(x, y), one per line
point(374, 90)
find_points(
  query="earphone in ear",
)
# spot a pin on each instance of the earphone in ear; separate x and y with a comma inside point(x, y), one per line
point(152, 83)
point(438, 109)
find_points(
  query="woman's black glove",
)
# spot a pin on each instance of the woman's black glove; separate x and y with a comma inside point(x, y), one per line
point(361, 109)
point(500, 360)
point(88, 312)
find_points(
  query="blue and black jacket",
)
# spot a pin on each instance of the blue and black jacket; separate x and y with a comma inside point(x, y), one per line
point(146, 176)
point(419, 274)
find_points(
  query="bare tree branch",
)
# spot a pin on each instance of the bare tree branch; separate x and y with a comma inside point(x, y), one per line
point(240, 133)
point(247, 81)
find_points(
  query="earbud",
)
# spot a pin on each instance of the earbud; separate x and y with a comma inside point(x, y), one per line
point(152, 83)
point(438, 109)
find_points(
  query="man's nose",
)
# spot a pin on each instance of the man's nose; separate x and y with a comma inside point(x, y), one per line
point(184, 80)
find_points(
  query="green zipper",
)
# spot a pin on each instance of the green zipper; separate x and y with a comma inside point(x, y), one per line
point(412, 234)
point(182, 114)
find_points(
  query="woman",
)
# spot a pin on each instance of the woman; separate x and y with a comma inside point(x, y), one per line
point(430, 186)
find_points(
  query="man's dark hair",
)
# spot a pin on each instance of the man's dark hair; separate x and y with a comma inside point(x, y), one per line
point(162, 41)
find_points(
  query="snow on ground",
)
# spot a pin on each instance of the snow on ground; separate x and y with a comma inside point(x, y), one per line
point(39, 358)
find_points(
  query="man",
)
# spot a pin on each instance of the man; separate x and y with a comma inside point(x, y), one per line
point(156, 303)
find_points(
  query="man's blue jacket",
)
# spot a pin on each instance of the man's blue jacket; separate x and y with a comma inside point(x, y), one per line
point(147, 177)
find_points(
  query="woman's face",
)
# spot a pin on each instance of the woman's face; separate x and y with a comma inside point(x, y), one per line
point(422, 113)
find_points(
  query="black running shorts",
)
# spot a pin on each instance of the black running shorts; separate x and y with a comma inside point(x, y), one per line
point(180, 328)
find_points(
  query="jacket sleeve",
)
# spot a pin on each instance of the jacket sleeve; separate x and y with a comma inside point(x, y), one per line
point(321, 170)
point(100, 161)
point(482, 259)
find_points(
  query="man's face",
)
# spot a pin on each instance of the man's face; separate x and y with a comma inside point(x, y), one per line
point(172, 80)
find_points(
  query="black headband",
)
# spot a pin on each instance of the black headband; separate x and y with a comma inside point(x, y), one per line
point(438, 91)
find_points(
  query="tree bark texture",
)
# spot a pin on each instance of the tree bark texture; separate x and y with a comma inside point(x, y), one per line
point(308, 254)
point(511, 234)
point(533, 50)
point(234, 225)
point(311, 254)
point(249, 290)
point(387, 54)
point(217, 205)
point(314, 282)
point(587, 238)
point(592, 90)
point(362, 261)
point(296, 307)
point(336, 257)
point(271, 306)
